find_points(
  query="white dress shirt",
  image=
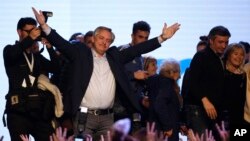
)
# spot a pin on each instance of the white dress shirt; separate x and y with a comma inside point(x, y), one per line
point(100, 93)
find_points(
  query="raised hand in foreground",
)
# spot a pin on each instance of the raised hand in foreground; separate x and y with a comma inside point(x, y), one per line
point(224, 134)
point(61, 135)
point(25, 137)
point(152, 134)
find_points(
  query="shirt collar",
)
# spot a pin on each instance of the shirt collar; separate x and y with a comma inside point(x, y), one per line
point(96, 55)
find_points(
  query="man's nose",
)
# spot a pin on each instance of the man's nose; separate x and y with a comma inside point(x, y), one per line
point(106, 42)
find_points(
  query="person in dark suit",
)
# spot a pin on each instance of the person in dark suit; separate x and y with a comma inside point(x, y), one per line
point(98, 73)
point(29, 109)
point(204, 98)
point(165, 99)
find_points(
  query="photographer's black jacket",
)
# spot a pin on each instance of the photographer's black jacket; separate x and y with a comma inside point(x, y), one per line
point(17, 68)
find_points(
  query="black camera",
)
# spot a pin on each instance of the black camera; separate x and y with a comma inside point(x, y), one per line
point(46, 14)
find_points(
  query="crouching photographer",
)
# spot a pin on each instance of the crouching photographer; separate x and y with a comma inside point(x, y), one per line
point(32, 101)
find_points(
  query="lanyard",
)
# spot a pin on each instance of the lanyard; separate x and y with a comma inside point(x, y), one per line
point(30, 64)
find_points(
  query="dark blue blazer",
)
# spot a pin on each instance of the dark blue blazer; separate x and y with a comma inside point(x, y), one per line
point(81, 59)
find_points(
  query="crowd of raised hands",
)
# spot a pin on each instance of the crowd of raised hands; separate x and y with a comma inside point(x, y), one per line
point(148, 134)
point(208, 136)
point(112, 135)
point(59, 135)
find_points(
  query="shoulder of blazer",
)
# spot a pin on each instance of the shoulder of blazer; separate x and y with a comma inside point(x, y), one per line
point(81, 48)
point(205, 55)
point(113, 48)
point(113, 51)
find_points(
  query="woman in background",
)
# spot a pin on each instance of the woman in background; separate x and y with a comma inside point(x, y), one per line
point(165, 100)
point(235, 85)
point(150, 65)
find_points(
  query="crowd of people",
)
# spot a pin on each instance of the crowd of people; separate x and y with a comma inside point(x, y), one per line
point(92, 91)
point(120, 132)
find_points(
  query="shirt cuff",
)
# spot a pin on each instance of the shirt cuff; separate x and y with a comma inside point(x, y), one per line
point(46, 29)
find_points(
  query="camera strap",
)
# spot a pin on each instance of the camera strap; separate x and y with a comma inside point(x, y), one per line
point(29, 79)
point(30, 64)
point(82, 119)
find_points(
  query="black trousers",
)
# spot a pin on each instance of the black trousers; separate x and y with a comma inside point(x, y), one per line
point(198, 121)
point(19, 124)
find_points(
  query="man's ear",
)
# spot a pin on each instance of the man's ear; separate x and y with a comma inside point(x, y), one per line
point(211, 41)
point(19, 32)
